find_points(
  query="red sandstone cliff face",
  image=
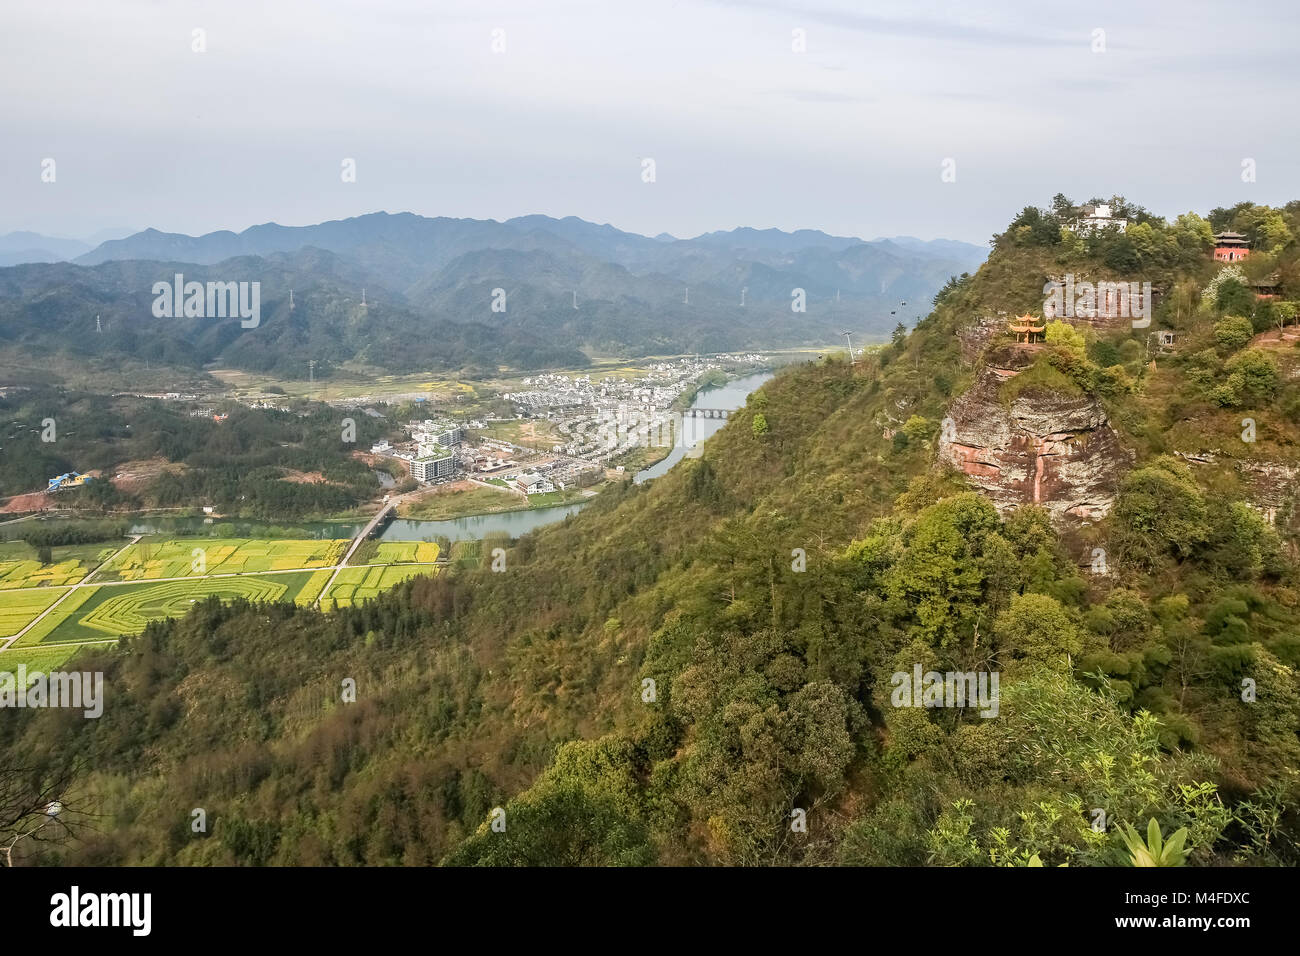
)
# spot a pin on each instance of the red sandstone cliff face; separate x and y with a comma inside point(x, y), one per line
point(1047, 448)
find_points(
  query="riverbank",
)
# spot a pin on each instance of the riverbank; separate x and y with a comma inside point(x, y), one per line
point(486, 512)
point(475, 499)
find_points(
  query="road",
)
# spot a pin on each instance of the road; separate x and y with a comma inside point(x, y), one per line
point(6, 643)
point(68, 593)
point(356, 543)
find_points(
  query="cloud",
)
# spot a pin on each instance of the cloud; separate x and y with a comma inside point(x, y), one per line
point(910, 27)
point(820, 96)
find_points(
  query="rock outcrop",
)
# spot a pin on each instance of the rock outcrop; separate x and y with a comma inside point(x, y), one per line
point(1045, 447)
point(1273, 486)
point(975, 336)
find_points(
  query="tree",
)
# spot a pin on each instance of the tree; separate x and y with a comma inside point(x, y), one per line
point(1065, 335)
point(917, 428)
point(1233, 332)
point(1033, 227)
point(1274, 233)
point(1252, 376)
point(36, 805)
point(759, 424)
point(1236, 297)
point(558, 824)
point(1194, 235)
point(1060, 749)
point(1036, 627)
point(1285, 313)
point(1159, 511)
point(941, 575)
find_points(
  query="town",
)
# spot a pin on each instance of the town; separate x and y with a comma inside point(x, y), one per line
point(592, 423)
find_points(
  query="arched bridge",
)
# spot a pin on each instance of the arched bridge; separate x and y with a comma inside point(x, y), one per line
point(706, 413)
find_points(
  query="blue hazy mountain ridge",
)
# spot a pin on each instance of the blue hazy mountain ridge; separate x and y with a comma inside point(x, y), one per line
point(20, 247)
point(570, 288)
point(403, 248)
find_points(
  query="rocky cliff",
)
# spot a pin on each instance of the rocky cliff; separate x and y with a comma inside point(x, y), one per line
point(1043, 446)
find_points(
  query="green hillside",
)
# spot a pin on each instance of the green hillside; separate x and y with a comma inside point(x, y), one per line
point(706, 669)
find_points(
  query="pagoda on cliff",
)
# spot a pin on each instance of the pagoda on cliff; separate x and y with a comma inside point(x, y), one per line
point(1026, 331)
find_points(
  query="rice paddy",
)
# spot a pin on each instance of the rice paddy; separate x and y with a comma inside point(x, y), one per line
point(354, 585)
point(154, 578)
point(404, 552)
point(20, 567)
point(110, 611)
point(195, 557)
point(19, 608)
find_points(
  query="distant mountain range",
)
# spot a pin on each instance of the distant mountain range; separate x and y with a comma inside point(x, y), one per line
point(431, 284)
point(17, 248)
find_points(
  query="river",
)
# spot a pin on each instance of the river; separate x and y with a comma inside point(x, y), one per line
point(690, 431)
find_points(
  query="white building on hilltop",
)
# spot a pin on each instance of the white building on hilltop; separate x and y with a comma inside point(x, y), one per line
point(1097, 217)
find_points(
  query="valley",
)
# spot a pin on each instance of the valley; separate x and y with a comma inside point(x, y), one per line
point(776, 441)
point(1069, 529)
point(51, 605)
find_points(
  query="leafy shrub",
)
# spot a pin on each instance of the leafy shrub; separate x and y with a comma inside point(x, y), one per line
point(1233, 332)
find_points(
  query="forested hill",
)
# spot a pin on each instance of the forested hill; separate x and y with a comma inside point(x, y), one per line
point(704, 669)
point(466, 296)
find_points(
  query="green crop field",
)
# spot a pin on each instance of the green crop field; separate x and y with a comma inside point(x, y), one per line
point(65, 610)
point(400, 552)
point(43, 659)
point(354, 585)
point(20, 608)
point(135, 589)
point(126, 609)
point(150, 559)
point(20, 567)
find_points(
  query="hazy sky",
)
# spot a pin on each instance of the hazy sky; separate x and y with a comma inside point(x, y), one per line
point(849, 136)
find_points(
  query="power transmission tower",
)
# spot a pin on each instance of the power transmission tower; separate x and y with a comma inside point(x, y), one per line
point(847, 335)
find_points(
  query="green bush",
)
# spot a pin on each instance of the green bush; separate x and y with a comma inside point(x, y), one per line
point(1233, 332)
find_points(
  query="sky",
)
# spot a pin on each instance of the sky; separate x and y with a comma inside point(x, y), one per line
point(929, 119)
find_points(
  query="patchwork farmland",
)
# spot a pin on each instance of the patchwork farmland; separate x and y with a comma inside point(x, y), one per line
point(110, 611)
point(20, 566)
point(103, 592)
point(396, 552)
point(354, 585)
point(197, 557)
point(20, 607)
